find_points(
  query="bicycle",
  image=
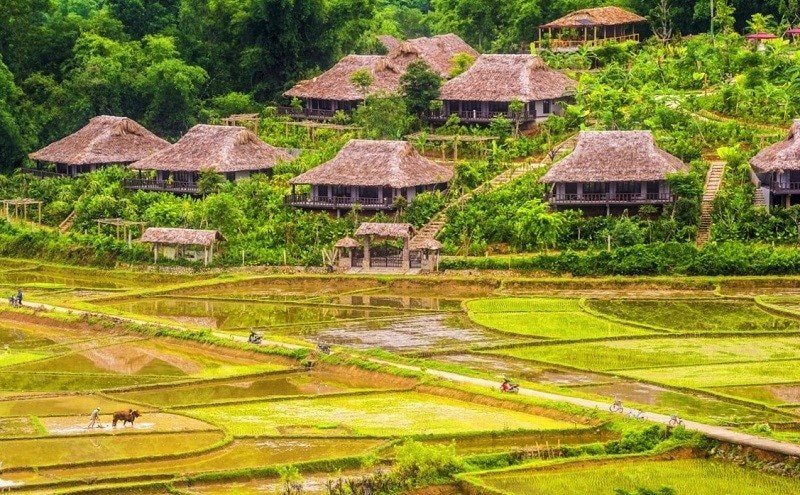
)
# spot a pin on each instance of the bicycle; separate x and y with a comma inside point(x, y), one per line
point(616, 407)
point(636, 415)
point(674, 421)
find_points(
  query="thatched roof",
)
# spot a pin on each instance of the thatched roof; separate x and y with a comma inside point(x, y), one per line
point(781, 156)
point(369, 163)
point(346, 242)
point(600, 16)
point(184, 237)
point(425, 243)
point(217, 147)
point(389, 42)
point(437, 51)
point(508, 78)
point(613, 156)
point(395, 230)
point(105, 139)
point(335, 84)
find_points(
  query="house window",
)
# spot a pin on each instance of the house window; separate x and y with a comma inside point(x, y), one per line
point(471, 106)
point(546, 107)
point(496, 107)
point(629, 187)
point(320, 104)
point(595, 187)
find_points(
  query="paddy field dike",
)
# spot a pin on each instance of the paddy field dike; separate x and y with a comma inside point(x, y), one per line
point(407, 400)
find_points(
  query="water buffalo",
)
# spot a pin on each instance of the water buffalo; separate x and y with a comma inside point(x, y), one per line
point(125, 416)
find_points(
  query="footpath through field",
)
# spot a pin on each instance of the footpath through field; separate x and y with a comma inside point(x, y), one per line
point(716, 432)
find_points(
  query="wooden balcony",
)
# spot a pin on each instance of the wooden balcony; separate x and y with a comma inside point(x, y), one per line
point(785, 187)
point(41, 173)
point(572, 45)
point(305, 113)
point(338, 202)
point(180, 187)
point(478, 116)
point(611, 199)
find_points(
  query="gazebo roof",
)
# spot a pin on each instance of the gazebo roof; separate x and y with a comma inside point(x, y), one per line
point(508, 78)
point(793, 31)
point(614, 156)
point(425, 243)
point(105, 139)
point(392, 230)
point(599, 16)
point(346, 242)
point(369, 163)
point(760, 36)
point(216, 147)
point(184, 237)
point(781, 156)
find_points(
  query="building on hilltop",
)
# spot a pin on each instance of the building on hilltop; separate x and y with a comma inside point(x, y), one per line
point(590, 27)
point(333, 90)
point(105, 140)
point(611, 171)
point(232, 151)
point(189, 244)
point(776, 170)
point(488, 87)
point(369, 175)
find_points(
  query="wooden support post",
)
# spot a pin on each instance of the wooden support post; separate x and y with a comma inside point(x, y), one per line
point(406, 256)
point(366, 262)
point(155, 253)
point(205, 255)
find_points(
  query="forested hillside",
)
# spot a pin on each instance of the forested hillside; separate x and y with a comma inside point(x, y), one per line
point(172, 63)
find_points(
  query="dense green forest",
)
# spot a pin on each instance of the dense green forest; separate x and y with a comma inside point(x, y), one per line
point(172, 63)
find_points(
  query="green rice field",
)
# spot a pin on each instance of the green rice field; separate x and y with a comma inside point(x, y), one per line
point(692, 476)
point(216, 417)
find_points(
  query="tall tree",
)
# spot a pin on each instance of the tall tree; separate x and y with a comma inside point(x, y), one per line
point(11, 140)
point(420, 87)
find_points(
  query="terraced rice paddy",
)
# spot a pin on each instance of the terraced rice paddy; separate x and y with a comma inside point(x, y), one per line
point(208, 409)
point(697, 477)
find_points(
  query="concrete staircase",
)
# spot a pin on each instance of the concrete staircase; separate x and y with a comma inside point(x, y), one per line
point(432, 228)
point(64, 226)
point(713, 183)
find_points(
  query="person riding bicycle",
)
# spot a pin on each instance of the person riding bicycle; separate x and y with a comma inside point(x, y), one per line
point(254, 338)
point(507, 386)
point(674, 420)
point(617, 405)
point(19, 297)
point(324, 348)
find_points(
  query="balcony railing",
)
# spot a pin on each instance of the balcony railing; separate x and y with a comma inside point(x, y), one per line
point(609, 198)
point(555, 44)
point(185, 187)
point(785, 186)
point(306, 113)
point(479, 116)
point(336, 202)
point(43, 174)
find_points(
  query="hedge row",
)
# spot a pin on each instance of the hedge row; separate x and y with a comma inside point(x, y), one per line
point(731, 258)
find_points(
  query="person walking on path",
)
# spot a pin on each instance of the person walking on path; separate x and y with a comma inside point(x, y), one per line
point(19, 297)
point(94, 419)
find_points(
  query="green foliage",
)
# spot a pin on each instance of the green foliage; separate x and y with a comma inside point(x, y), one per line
point(426, 463)
point(362, 79)
point(460, 63)
point(423, 207)
point(664, 490)
point(420, 86)
point(384, 117)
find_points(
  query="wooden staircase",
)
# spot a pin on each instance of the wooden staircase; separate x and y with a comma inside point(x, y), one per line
point(713, 183)
point(64, 226)
point(437, 222)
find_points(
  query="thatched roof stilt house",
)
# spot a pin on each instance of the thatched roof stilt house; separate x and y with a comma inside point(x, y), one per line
point(105, 140)
point(591, 27)
point(489, 86)
point(371, 176)
point(619, 169)
point(190, 244)
point(776, 170)
point(333, 90)
point(232, 151)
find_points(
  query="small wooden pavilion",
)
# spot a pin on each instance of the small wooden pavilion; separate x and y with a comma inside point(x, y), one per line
point(374, 256)
point(493, 82)
point(20, 206)
point(346, 247)
point(612, 169)
point(333, 90)
point(190, 244)
point(105, 140)
point(793, 34)
point(369, 175)
point(590, 27)
point(123, 228)
point(777, 170)
point(427, 250)
point(234, 152)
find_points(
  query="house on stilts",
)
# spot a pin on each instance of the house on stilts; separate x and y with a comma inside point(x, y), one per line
point(612, 171)
point(776, 170)
point(589, 27)
point(105, 140)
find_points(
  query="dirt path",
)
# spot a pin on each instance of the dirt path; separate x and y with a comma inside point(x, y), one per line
point(716, 432)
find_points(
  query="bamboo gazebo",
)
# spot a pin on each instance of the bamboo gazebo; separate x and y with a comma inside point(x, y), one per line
point(590, 27)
